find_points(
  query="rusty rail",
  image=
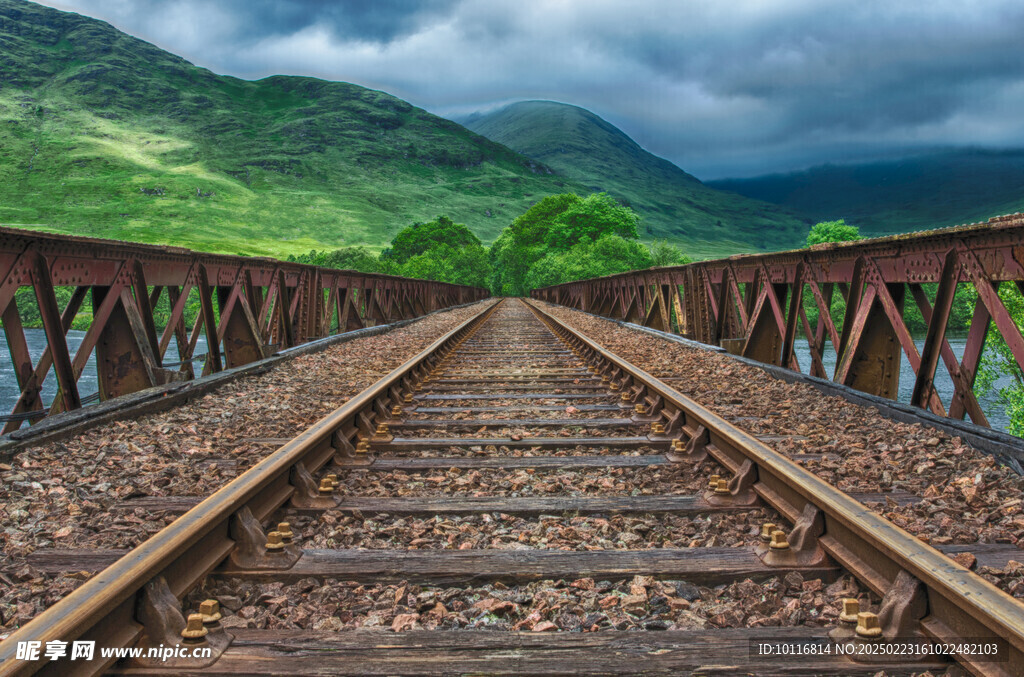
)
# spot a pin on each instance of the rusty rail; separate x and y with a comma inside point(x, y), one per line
point(249, 308)
point(753, 305)
point(927, 593)
point(104, 609)
point(924, 593)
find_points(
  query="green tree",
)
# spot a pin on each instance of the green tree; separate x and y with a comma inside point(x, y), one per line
point(665, 254)
point(468, 265)
point(589, 219)
point(439, 250)
point(829, 231)
point(832, 231)
point(420, 237)
point(998, 372)
point(523, 243)
point(555, 224)
point(345, 258)
point(609, 255)
point(433, 266)
point(531, 227)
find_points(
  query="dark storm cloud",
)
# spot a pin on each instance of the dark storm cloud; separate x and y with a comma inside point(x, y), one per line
point(255, 20)
point(373, 20)
point(370, 20)
point(720, 88)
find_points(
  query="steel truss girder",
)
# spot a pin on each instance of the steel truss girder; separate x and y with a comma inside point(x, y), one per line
point(761, 301)
point(249, 309)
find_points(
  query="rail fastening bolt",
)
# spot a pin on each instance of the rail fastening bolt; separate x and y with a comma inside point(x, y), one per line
point(766, 531)
point(722, 487)
point(194, 631)
point(326, 487)
point(210, 611)
point(868, 626)
point(285, 529)
point(779, 541)
point(275, 543)
point(851, 608)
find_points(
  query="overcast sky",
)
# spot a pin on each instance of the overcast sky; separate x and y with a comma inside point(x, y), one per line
point(730, 88)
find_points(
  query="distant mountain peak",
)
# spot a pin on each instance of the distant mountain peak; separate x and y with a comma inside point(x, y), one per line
point(584, 147)
point(919, 191)
point(103, 131)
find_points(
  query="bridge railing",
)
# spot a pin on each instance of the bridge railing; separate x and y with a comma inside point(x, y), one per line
point(756, 306)
point(248, 308)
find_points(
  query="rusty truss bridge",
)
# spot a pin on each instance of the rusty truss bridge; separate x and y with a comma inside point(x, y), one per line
point(754, 306)
point(523, 489)
point(249, 308)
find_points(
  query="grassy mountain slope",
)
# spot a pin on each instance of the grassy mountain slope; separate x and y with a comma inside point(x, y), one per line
point(916, 193)
point(103, 134)
point(673, 204)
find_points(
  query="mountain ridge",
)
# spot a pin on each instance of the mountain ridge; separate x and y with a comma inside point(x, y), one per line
point(674, 204)
point(916, 192)
point(104, 132)
point(107, 135)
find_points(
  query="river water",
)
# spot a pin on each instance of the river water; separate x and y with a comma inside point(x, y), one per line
point(943, 383)
point(87, 384)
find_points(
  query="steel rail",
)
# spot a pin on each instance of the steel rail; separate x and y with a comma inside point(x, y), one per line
point(960, 603)
point(103, 608)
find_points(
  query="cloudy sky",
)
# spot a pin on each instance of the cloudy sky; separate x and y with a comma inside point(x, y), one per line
point(720, 88)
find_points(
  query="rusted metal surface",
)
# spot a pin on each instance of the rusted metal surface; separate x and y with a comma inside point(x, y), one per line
point(956, 604)
point(754, 305)
point(222, 536)
point(104, 608)
point(250, 307)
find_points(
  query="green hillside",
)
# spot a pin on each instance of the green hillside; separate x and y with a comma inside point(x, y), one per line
point(915, 193)
point(672, 203)
point(103, 134)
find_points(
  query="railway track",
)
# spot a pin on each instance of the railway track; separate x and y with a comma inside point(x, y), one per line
point(514, 479)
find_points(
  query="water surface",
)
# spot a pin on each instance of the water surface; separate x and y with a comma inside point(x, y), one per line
point(87, 384)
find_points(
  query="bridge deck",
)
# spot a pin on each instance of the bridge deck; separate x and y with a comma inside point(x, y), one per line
point(471, 475)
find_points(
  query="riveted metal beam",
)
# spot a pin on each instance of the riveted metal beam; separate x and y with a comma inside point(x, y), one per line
point(247, 308)
point(761, 302)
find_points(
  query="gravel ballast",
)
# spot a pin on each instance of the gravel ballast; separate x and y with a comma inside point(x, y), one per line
point(967, 497)
point(59, 494)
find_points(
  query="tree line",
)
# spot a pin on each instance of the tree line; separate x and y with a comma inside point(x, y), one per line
point(562, 238)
